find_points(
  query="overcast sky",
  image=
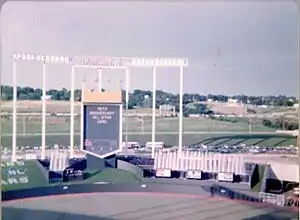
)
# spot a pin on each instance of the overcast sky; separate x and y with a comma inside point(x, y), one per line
point(233, 48)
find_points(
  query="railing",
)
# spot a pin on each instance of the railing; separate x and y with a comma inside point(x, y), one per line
point(274, 199)
point(292, 201)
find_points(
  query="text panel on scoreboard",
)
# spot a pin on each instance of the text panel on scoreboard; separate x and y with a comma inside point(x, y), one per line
point(102, 128)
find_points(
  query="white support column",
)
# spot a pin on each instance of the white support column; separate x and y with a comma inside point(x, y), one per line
point(180, 130)
point(14, 132)
point(82, 116)
point(100, 80)
point(127, 78)
point(72, 103)
point(153, 110)
point(44, 79)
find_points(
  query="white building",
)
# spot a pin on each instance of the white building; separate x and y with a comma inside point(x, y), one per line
point(47, 97)
point(167, 110)
point(232, 101)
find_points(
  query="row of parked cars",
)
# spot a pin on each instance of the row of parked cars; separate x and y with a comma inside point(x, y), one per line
point(242, 148)
point(226, 149)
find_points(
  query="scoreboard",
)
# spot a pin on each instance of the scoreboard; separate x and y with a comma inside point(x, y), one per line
point(102, 133)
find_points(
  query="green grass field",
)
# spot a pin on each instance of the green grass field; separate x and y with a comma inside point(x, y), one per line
point(29, 132)
point(138, 129)
point(27, 174)
point(62, 125)
point(170, 139)
point(21, 175)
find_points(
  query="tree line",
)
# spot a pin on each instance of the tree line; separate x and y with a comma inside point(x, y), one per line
point(142, 98)
point(281, 124)
point(191, 102)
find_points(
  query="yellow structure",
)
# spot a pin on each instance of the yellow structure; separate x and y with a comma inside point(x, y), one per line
point(105, 100)
point(90, 96)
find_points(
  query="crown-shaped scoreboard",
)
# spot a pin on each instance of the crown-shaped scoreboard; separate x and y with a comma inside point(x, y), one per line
point(101, 123)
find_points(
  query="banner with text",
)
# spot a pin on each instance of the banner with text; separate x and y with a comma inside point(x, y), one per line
point(102, 131)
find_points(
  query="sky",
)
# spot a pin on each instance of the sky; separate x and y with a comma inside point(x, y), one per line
point(233, 47)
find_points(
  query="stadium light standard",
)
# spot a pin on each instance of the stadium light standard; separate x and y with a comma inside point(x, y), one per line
point(180, 133)
point(14, 132)
point(154, 63)
point(97, 63)
point(44, 59)
point(43, 156)
point(126, 100)
point(153, 110)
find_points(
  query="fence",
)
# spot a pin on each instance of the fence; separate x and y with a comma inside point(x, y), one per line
point(197, 160)
point(275, 199)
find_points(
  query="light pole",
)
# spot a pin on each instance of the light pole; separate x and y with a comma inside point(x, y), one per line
point(14, 132)
point(180, 133)
point(102, 62)
point(153, 110)
point(43, 156)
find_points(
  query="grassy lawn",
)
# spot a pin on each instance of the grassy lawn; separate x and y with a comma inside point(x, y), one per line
point(32, 173)
point(62, 125)
point(111, 175)
point(21, 175)
point(58, 130)
point(171, 139)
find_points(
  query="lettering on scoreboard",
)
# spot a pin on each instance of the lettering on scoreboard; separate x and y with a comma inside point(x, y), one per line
point(102, 128)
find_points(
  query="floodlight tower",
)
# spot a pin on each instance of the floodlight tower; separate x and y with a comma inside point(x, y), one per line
point(153, 109)
point(180, 133)
point(14, 130)
point(14, 133)
point(43, 156)
point(44, 59)
point(127, 75)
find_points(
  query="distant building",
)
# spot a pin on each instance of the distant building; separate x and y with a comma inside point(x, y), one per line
point(47, 97)
point(194, 115)
point(167, 110)
point(296, 105)
point(232, 101)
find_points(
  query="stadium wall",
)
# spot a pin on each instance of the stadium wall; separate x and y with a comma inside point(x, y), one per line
point(43, 170)
point(152, 186)
point(157, 186)
point(135, 170)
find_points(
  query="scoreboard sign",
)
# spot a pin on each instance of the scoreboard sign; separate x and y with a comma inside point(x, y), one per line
point(193, 174)
point(163, 173)
point(225, 177)
point(102, 133)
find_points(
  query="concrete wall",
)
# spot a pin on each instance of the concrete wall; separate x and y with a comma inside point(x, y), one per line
point(43, 170)
point(136, 171)
point(215, 162)
point(287, 172)
point(204, 161)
